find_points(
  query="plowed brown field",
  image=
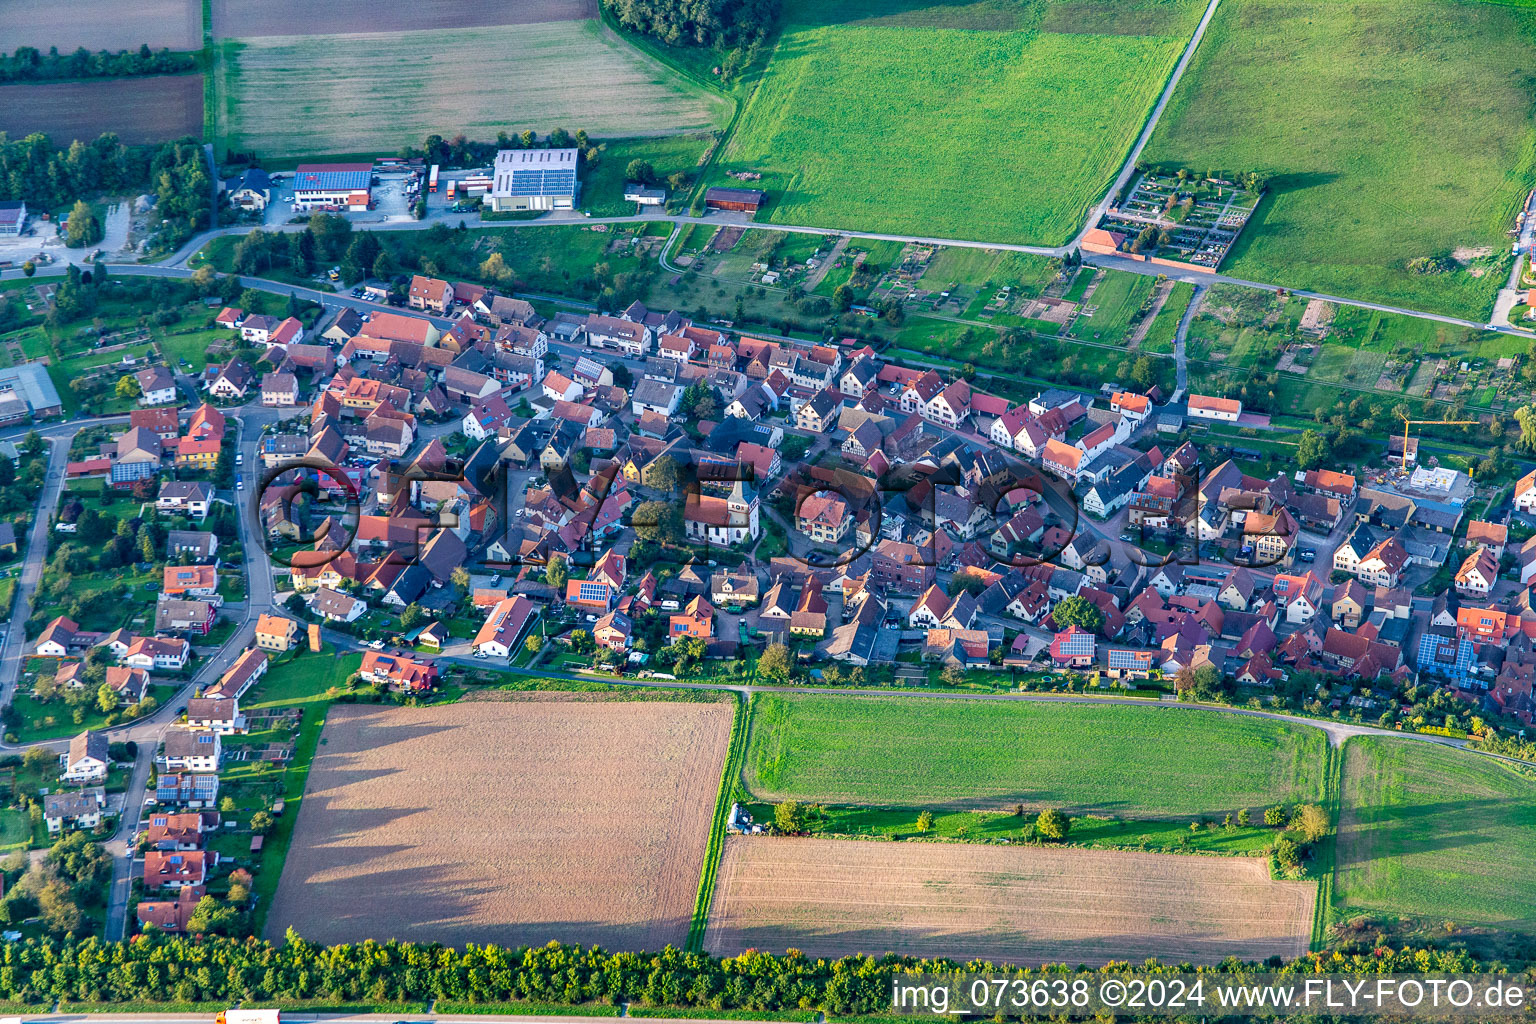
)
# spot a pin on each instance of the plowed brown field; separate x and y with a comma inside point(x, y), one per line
point(297, 17)
point(101, 25)
point(512, 823)
point(1027, 905)
point(139, 110)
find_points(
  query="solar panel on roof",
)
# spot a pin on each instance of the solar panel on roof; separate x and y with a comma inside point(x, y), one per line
point(542, 183)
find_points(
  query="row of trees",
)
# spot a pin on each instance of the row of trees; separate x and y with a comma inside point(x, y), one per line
point(29, 64)
point(166, 968)
point(739, 25)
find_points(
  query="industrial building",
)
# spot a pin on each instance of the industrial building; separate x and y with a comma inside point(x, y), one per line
point(533, 179)
point(333, 187)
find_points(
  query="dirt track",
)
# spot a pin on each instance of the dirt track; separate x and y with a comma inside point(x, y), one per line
point(511, 823)
point(101, 24)
point(1026, 905)
point(139, 110)
point(244, 18)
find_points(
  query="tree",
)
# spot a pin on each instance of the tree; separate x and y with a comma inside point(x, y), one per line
point(925, 821)
point(60, 913)
point(1143, 373)
point(384, 267)
point(1078, 611)
point(534, 644)
point(210, 917)
point(581, 641)
point(261, 823)
point(127, 387)
point(1274, 816)
point(460, 578)
point(227, 805)
point(1287, 854)
point(28, 268)
point(106, 698)
point(786, 816)
point(411, 614)
point(640, 171)
point(1311, 821)
point(776, 664)
point(657, 522)
point(556, 572)
point(664, 473)
point(1313, 450)
point(843, 297)
point(1052, 824)
point(1243, 818)
point(37, 757)
point(83, 228)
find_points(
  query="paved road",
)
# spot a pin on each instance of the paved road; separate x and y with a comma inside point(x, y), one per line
point(1181, 362)
point(1129, 167)
point(13, 647)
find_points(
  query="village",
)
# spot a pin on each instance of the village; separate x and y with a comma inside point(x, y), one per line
point(460, 483)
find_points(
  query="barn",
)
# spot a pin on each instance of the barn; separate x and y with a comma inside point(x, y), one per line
point(333, 186)
point(745, 200)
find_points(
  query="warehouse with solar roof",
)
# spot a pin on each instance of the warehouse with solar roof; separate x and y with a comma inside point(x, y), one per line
point(533, 179)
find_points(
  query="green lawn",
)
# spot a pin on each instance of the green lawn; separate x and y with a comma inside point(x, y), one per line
point(1117, 298)
point(1396, 129)
point(964, 754)
point(1165, 326)
point(1002, 121)
point(1437, 834)
point(602, 186)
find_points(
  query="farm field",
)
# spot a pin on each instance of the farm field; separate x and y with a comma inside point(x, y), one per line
point(139, 110)
point(1138, 761)
point(1013, 118)
point(351, 93)
point(1018, 904)
point(602, 186)
point(1284, 87)
point(101, 25)
point(1435, 834)
point(287, 17)
point(515, 822)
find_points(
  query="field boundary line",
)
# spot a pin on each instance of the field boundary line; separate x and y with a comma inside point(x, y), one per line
point(1328, 859)
point(730, 772)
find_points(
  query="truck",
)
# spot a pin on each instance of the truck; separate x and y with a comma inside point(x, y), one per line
point(233, 1016)
point(453, 187)
point(432, 179)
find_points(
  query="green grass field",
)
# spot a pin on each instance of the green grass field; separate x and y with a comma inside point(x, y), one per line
point(1117, 298)
point(1165, 326)
point(964, 754)
point(1436, 834)
point(1001, 121)
point(1396, 129)
point(602, 187)
point(361, 92)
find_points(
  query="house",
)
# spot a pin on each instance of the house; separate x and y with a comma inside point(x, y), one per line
point(725, 520)
point(191, 750)
point(1493, 536)
point(276, 633)
point(184, 497)
point(186, 581)
point(1131, 406)
point(169, 915)
point(232, 381)
point(1073, 648)
point(250, 666)
point(279, 390)
point(158, 653)
point(613, 631)
point(823, 517)
point(696, 620)
point(1224, 410)
point(335, 606)
point(199, 545)
point(217, 714)
point(504, 627)
point(252, 190)
point(1525, 493)
point(13, 217)
point(75, 810)
point(624, 336)
point(1299, 597)
point(929, 610)
point(404, 674)
point(181, 789)
point(820, 413)
point(128, 683)
point(178, 869)
point(1061, 458)
point(1124, 663)
point(185, 616)
point(157, 386)
point(734, 589)
point(1383, 564)
point(87, 759)
point(430, 293)
point(1478, 574)
point(185, 831)
point(655, 396)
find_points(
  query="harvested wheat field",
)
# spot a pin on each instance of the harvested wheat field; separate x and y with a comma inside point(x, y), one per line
point(513, 823)
point(365, 92)
point(294, 17)
point(1026, 905)
point(101, 25)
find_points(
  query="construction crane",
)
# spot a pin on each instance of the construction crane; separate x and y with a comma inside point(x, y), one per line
point(1443, 423)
